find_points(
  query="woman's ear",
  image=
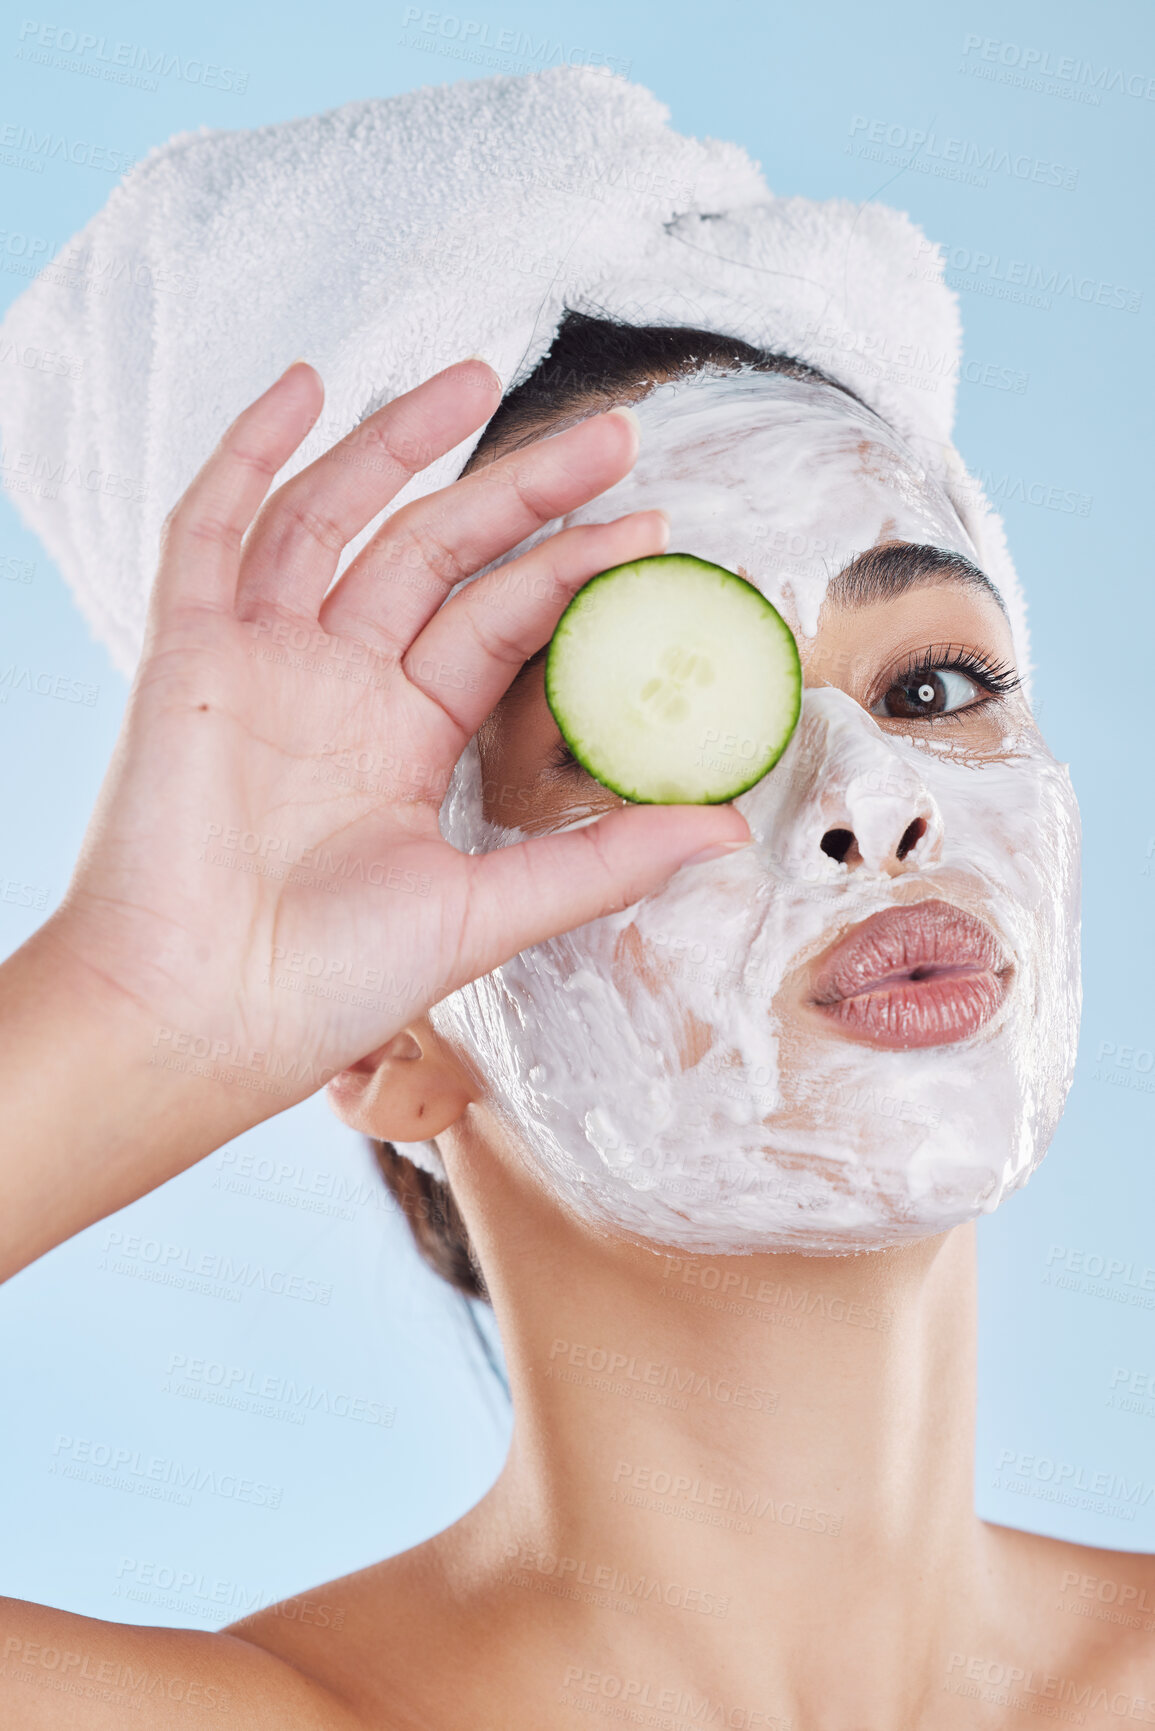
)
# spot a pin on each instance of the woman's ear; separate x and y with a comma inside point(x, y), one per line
point(408, 1090)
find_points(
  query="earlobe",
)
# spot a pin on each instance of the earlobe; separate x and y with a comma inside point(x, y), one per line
point(408, 1090)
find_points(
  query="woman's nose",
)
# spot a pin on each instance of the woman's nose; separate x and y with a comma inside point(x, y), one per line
point(869, 808)
point(883, 820)
point(849, 795)
point(842, 845)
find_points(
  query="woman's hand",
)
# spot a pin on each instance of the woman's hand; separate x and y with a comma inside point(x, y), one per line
point(263, 895)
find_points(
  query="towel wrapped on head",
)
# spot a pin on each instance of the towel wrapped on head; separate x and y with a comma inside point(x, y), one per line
point(388, 238)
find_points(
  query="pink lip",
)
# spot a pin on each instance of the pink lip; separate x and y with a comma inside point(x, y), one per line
point(924, 975)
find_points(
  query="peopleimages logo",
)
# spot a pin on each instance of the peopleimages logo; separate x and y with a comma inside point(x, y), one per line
point(980, 272)
point(42, 147)
point(1067, 1482)
point(178, 1265)
point(918, 148)
point(1125, 1066)
point(877, 355)
point(122, 62)
point(702, 1499)
point(627, 1368)
point(99, 1678)
point(1019, 489)
point(472, 37)
point(1138, 1276)
point(292, 1185)
point(211, 1598)
point(668, 1705)
point(1104, 1591)
point(612, 1578)
point(132, 1470)
point(798, 1300)
point(38, 360)
point(1041, 63)
point(1042, 1692)
point(60, 686)
point(248, 1390)
point(49, 474)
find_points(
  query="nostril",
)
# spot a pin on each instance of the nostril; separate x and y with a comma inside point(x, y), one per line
point(837, 843)
point(912, 835)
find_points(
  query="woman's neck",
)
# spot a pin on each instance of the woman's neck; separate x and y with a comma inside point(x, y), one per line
point(740, 1465)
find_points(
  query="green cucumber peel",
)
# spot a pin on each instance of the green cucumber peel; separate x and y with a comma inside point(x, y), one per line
point(674, 681)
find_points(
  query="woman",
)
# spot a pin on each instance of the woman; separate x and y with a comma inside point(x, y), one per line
point(740, 1485)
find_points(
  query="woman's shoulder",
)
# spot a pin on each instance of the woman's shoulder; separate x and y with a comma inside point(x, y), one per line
point(341, 1657)
point(364, 1637)
point(1080, 1620)
point(58, 1667)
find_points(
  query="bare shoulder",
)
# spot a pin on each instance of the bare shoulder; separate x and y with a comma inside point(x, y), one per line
point(367, 1639)
point(1088, 1613)
point(60, 1672)
point(434, 1636)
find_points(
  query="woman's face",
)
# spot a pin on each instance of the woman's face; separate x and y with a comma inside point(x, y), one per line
point(862, 1028)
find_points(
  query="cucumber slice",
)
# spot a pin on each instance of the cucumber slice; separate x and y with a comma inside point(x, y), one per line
point(674, 681)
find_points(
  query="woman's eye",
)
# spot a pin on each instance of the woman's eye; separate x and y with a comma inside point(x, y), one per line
point(928, 691)
point(561, 757)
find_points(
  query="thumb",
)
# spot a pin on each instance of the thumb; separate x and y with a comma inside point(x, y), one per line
point(535, 889)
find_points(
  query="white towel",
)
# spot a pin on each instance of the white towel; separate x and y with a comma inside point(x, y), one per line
point(386, 239)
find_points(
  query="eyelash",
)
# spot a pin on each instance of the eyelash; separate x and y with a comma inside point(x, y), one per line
point(996, 678)
point(561, 757)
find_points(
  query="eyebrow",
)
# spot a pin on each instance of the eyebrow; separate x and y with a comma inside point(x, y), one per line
point(879, 574)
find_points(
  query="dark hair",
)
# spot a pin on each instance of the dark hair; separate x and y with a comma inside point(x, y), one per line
point(434, 1219)
point(591, 360)
point(594, 359)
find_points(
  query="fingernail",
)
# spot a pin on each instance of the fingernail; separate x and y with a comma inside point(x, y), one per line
point(627, 414)
point(716, 852)
point(493, 384)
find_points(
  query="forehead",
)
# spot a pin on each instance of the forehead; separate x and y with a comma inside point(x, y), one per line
point(789, 481)
point(716, 399)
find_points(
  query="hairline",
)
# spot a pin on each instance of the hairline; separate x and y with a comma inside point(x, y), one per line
point(528, 422)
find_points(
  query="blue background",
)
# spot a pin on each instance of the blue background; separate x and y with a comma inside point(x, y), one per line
point(1054, 404)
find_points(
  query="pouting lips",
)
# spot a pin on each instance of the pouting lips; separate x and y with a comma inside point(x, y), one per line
point(923, 975)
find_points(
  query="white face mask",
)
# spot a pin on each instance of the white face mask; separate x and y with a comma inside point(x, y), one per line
point(652, 1065)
